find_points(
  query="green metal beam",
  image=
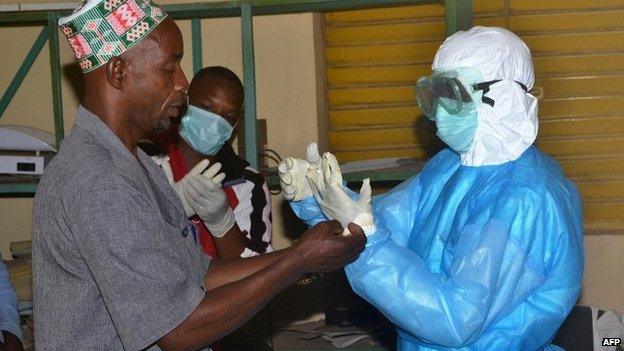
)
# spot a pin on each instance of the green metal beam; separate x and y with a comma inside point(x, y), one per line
point(196, 38)
point(204, 10)
point(233, 8)
point(272, 7)
point(249, 75)
point(55, 68)
point(23, 70)
point(458, 15)
point(17, 189)
point(26, 18)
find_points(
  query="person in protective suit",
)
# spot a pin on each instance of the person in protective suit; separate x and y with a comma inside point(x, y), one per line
point(483, 249)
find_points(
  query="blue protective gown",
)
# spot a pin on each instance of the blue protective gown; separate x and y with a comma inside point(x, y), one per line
point(474, 258)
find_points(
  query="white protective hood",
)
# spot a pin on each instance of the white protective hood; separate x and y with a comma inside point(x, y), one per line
point(506, 130)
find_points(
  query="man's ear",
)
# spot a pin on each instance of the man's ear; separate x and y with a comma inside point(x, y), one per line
point(116, 72)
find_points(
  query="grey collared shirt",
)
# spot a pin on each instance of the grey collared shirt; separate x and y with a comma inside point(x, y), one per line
point(115, 264)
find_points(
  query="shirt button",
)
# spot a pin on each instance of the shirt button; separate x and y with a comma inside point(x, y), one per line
point(185, 232)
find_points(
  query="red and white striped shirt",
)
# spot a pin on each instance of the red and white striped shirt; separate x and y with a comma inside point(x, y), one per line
point(248, 196)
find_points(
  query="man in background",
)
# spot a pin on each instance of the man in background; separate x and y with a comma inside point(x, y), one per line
point(216, 98)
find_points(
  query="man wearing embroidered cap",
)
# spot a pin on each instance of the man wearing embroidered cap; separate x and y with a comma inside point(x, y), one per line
point(116, 263)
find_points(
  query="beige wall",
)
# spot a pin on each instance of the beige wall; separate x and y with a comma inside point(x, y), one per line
point(287, 54)
point(603, 284)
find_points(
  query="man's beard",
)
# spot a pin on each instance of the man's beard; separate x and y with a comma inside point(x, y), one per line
point(162, 124)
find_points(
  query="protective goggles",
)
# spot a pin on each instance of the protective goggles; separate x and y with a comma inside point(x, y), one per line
point(446, 88)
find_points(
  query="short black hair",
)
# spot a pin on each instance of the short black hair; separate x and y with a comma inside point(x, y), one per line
point(217, 73)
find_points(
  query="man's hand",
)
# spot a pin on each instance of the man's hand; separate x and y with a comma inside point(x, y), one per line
point(205, 195)
point(226, 305)
point(334, 200)
point(323, 248)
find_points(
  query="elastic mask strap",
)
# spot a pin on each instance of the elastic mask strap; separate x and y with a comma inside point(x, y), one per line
point(524, 87)
point(485, 86)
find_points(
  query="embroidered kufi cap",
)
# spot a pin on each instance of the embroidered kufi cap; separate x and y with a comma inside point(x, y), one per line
point(101, 29)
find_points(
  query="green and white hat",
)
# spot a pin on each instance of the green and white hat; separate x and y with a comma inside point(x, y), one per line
point(101, 29)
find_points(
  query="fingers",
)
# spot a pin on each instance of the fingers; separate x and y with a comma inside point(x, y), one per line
point(330, 165)
point(199, 167)
point(354, 244)
point(284, 175)
point(212, 171)
point(315, 185)
point(203, 186)
point(326, 168)
point(365, 193)
point(356, 230)
point(218, 178)
point(190, 196)
point(335, 227)
point(197, 184)
point(288, 192)
point(284, 169)
point(357, 236)
point(312, 154)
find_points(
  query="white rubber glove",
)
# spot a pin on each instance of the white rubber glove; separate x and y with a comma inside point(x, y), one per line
point(334, 200)
point(163, 162)
point(205, 195)
point(314, 158)
point(293, 174)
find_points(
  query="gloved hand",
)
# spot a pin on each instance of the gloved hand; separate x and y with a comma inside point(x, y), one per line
point(314, 159)
point(293, 171)
point(163, 162)
point(334, 200)
point(205, 195)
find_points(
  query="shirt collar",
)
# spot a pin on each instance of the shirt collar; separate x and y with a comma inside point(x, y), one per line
point(143, 168)
point(92, 124)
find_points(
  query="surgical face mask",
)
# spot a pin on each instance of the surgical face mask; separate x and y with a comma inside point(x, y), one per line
point(204, 131)
point(457, 130)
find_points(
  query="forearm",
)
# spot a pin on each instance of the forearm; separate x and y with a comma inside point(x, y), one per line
point(222, 272)
point(227, 307)
point(231, 245)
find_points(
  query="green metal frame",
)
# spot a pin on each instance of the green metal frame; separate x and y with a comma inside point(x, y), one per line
point(55, 67)
point(23, 70)
point(458, 17)
point(249, 76)
point(197, 44)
